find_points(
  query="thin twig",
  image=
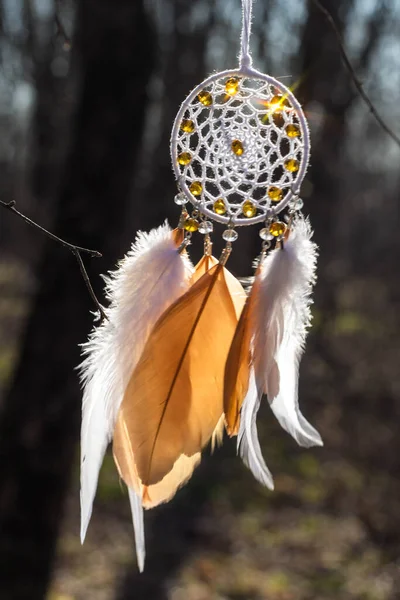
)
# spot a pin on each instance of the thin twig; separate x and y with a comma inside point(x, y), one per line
point(76, 251)
point(87, 281)
point(11, 206)
point(353, 74)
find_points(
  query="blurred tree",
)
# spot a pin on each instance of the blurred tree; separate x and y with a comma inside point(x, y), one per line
point(40, 419)
point(180, 70)
point(53, 107)
point(329, 99)
point(38, 65)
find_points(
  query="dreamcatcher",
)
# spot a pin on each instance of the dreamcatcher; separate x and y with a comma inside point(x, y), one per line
point(185, 352)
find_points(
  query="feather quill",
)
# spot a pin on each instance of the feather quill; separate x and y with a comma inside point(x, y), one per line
point(150, 278)
point(283, 316)
point(173, 402)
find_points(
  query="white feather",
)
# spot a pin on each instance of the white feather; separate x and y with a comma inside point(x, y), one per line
point(283, 317)
point(148, 280)
point(248, 445)
point(138, 527)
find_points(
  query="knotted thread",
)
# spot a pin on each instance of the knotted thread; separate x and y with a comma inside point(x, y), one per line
point(245, 56)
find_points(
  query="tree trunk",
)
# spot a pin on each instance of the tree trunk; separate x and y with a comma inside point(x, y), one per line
point(40, 421)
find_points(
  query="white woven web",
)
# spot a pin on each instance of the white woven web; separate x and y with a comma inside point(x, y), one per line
point(261, 127)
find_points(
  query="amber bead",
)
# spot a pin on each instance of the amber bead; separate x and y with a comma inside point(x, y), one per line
point(249, 209)
point(191, 225)
point(232, 86)
point(205, 98)
point(196, 188)
point(184, 158)
point(219, 207)
point(275, 193)
point(187, 126)
point(237, 147)
point(291, 165)
point(278, 103)
point(292, 131)
point(277, 229)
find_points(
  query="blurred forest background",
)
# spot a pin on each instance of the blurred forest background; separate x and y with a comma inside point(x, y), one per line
point(88, 93)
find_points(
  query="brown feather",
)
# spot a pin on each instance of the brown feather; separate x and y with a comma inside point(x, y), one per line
point(237, 370)
point(174, 399)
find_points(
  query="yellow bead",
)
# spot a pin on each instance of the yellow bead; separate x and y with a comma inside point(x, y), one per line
point(191, 225)
point(278, 103)
point(205, 98)
point(184, 158)
point(275, 193)
point(232, 86)
point(248, 209)
point(277, 229)
point(292, 165)
point(237, 147)
point(196, 188)
point(219, 207)
point(292, 131)
point(187, 126)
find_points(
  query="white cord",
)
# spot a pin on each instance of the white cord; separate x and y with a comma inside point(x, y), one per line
point(245, 56)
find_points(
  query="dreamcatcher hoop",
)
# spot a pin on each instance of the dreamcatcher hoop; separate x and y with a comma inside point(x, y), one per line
point(255, 180)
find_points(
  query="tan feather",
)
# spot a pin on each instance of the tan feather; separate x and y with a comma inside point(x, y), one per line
point(165, 489)
point(174, 399)
point(238, 364)
point(205, 264)
point(235, 287)
point(238, 297)
point(160, 492)
point(237, 292)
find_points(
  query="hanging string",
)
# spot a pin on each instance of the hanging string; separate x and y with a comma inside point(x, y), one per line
point(245, 56)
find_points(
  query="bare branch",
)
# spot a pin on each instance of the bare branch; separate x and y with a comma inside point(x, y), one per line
point(76, 251)
point(353, 74)
point(87, 281)
point(11, 206)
